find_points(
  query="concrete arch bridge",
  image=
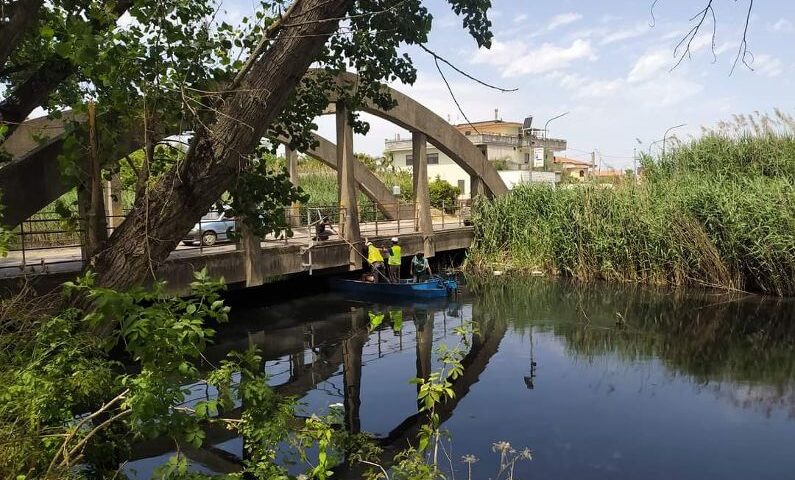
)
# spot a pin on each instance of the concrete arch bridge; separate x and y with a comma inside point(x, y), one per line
point(33, 180)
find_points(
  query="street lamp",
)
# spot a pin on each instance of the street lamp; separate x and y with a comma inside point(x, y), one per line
point(665, 137)
point(553, 118)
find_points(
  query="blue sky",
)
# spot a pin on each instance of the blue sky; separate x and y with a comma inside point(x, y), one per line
point(605, 64)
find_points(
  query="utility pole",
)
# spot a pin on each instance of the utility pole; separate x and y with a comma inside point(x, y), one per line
point(635, 163)
point(593, 164)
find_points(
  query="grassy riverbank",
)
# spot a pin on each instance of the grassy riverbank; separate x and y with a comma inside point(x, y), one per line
point(719, 211)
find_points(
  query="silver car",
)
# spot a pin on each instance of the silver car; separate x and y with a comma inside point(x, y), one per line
point(212, 228)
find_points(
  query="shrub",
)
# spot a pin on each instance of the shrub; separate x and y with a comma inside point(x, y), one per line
point(443, 194)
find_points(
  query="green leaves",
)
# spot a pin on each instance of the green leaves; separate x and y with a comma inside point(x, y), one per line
point(260, 195)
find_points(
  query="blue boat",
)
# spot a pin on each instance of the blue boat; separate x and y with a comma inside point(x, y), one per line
point(435, 287)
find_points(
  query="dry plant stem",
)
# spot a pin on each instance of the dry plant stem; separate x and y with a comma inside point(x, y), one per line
point(64, 452)
point(386, 475)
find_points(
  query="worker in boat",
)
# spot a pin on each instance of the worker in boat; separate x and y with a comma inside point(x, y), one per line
point(375, 259)
point(420, 268)
point(376, 319)
point(395, 255)
point(323, 230)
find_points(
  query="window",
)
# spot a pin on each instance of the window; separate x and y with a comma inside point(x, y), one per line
point(431, 158)
point(462, 186)
point(526, 158)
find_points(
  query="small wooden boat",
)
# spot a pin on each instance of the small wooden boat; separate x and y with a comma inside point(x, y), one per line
point(433, 288)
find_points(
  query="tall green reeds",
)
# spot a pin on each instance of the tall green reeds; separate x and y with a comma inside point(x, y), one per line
point(719, 211)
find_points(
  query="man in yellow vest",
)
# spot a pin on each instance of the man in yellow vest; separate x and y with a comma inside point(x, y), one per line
point(395, 255)
point(375, 259)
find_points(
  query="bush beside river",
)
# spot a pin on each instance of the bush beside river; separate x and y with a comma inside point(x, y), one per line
point(719, 211)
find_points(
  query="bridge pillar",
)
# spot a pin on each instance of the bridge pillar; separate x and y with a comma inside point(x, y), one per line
point(292, 168)
point(352, 350)
point(421, 193)
point(476, 187)
point(252, 251)
point(346, 181)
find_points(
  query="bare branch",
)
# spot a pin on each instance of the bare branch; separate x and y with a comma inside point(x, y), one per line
point(455, 100)
point(653, 21)
point(438, 58)
point(742, 51)
point(688, 38)
point(683, 48)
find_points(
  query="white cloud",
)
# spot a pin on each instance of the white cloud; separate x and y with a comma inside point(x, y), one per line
point(520, 18)
point(563, 19)
point(783, 26)
point(589, 88)
point(638, 30)
point(517, 58)
point(665, 91)
point(650, 65)
point(767, 65)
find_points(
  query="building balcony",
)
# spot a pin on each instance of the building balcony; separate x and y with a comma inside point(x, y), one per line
point(554, 144)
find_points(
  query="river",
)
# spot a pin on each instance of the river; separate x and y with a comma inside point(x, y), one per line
point(598, 381)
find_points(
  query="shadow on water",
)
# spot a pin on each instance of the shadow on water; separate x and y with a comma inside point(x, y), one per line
point(601, 381)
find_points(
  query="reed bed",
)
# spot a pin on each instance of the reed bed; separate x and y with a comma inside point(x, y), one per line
point(718, 211)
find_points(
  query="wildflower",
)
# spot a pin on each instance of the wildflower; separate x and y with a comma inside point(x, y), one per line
point(527, 453)
point(501, 447)
point(470, 459)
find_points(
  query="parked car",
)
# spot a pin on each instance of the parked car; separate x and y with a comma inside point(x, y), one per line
point(213, 228)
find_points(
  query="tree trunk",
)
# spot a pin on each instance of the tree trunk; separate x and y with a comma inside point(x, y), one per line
point(35, 91)
point(24, 15)
point(161, 217)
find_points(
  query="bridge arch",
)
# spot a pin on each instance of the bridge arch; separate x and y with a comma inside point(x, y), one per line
point(413, 116)
point(33, 179)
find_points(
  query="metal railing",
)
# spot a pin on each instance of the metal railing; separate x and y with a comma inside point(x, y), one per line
point(47, 240)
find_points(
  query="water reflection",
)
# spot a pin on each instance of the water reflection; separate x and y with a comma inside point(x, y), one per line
point(602, 382)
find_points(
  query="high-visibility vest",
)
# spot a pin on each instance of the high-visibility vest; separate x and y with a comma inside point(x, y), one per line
point(376, 319)
point(374, 255)
point(395, 255)
point(397, 319)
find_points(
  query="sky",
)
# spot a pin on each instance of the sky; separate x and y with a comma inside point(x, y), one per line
point(609, 64)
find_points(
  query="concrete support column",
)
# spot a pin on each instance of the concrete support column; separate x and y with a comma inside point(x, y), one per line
point(352, 349)
point(292, 168)
point(423, 321)
point(113, 206)
point(252, 250)
point(476, 187)
point(349, 210)
point(421, 193)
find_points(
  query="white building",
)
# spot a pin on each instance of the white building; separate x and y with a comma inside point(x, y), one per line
point(511, 146)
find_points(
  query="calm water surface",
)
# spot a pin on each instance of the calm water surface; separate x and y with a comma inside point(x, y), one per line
point(600, 382)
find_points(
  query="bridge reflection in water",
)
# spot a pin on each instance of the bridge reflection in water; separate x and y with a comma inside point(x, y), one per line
point(317, 351)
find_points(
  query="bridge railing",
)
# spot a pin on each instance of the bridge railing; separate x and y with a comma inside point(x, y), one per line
point(47, 242)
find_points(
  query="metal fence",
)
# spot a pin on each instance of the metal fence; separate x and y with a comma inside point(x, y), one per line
point(47, 242)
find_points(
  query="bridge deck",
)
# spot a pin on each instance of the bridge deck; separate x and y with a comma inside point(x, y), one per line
point(279, 256)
